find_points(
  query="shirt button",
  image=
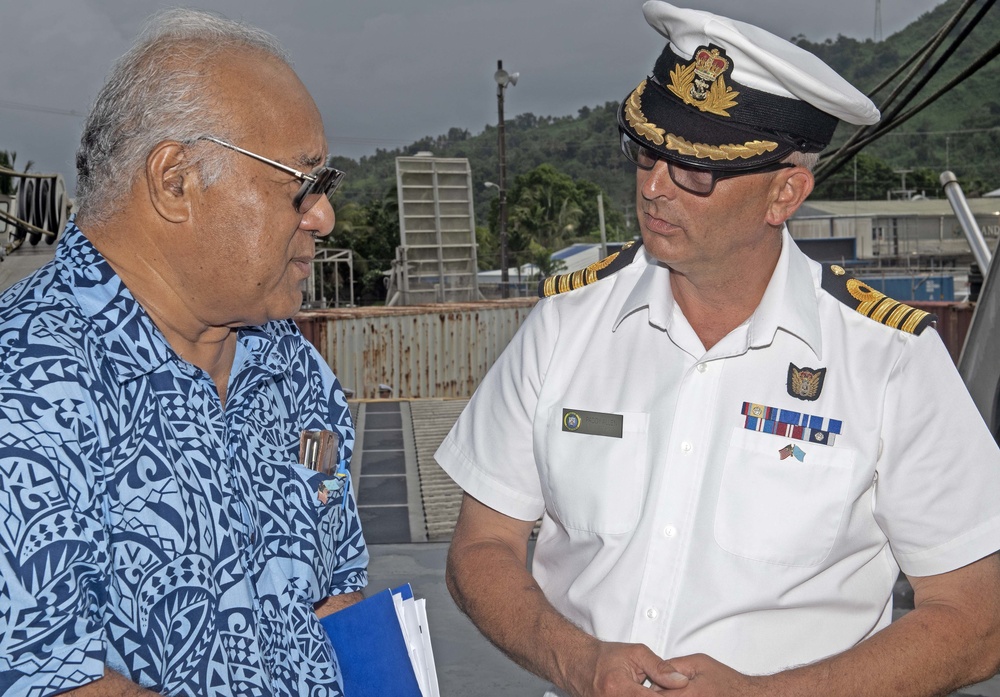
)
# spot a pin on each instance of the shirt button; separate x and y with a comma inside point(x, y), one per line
point(651, 613)
point(686, 447)
point(702, 367)
point(669, 531)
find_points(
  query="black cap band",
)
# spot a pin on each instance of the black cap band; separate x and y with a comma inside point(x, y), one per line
point(798, 123)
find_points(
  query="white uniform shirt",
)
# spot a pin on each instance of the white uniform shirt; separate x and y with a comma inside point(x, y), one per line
point(690, 532)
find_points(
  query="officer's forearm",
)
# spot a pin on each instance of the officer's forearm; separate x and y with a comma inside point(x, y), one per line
point(950, 640)
point(488, 577)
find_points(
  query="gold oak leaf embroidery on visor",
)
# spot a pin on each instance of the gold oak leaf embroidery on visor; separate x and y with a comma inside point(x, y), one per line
point(658, 136)
point(637, 120)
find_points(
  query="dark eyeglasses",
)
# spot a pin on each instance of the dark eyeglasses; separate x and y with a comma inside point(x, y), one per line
point(700, 182)
point(322, 181)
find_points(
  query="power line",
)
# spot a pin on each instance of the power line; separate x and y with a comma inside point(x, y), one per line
point(351, 140)
point(898, 134)
point(21, 106)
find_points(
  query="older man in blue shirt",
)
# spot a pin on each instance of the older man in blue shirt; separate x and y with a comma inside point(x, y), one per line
point(158, 532)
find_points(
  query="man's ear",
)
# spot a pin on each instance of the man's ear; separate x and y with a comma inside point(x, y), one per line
point(171, 181)
point(790, 189)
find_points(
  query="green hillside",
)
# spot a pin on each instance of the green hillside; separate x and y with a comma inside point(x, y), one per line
point(583, 146)
point(961, 131)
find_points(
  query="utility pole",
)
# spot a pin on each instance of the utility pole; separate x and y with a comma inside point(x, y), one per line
point(503, 78)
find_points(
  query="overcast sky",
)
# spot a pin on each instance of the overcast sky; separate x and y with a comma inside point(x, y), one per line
point(384, 72)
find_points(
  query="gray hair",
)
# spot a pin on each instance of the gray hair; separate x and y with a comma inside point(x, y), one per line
point(157, 92)
point(803, 159)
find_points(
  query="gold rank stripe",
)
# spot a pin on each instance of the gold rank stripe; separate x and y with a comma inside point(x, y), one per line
point(910, 325)
point(896, 318)
point(882, 309)
point(561, 283)
point(874, 304)
point(893, 313)
point(550, 286)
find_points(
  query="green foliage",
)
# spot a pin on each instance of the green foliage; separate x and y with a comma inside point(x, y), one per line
point(546, 211)
point(584, 147)
point(958, 132)
point(371, 231)
point(7, 185)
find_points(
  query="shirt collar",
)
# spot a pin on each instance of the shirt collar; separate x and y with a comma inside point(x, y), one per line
point(134, 344)
point(651, 291)
point(789, 302)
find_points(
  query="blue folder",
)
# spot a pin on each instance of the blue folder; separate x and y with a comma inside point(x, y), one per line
point(370, 647)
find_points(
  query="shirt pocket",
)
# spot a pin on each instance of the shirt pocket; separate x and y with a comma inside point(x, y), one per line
point(323, 493)
point(781, 511)
point(596, 483)
point(310, 549)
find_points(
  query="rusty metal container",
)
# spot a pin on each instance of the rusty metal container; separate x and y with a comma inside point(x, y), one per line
point(444, 350)
point(418, 351)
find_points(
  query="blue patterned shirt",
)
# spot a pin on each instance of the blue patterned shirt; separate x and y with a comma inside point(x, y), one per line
point(144, 527)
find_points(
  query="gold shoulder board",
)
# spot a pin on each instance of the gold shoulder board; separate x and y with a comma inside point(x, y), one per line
point(561, 283)
point(873, 304)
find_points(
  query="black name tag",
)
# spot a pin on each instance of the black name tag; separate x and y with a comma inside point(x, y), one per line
point(593, 423)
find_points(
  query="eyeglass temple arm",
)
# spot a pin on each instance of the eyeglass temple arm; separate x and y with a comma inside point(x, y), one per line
point(285, 168)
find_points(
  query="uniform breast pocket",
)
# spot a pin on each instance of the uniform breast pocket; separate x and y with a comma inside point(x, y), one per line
point(781, 511)
point(595, 483)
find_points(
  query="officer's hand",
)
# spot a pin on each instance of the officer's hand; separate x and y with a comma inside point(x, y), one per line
point(709, 678)
point(619, 670)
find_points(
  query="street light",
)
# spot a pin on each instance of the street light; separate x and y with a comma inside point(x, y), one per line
point(503, 78)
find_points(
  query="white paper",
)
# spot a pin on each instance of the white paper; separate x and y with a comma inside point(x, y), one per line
point(409, 613)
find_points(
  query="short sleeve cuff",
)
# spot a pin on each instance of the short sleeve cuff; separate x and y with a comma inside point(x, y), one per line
point(77, 667)
point(484, 487)
point(965, 549)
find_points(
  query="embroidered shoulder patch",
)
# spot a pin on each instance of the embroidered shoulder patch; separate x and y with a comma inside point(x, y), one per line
point(561, 283)
point(872, 303)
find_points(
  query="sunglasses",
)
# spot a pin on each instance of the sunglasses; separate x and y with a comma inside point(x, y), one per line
point(322, 181)
point(694, 180)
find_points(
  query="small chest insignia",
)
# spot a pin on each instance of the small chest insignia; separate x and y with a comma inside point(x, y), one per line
point(873, 304)
point(805, 383)
point(561, 283)
point(592, 423)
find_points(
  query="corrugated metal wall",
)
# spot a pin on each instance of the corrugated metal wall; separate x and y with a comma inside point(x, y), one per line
point(422, 351)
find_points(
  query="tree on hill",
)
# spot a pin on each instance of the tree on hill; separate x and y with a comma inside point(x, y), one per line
point(548, 210)
point(371, 231)
point(8, 187)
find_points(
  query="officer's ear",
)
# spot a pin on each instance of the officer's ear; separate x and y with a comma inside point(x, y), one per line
point(171, 181)
point(789, 189)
